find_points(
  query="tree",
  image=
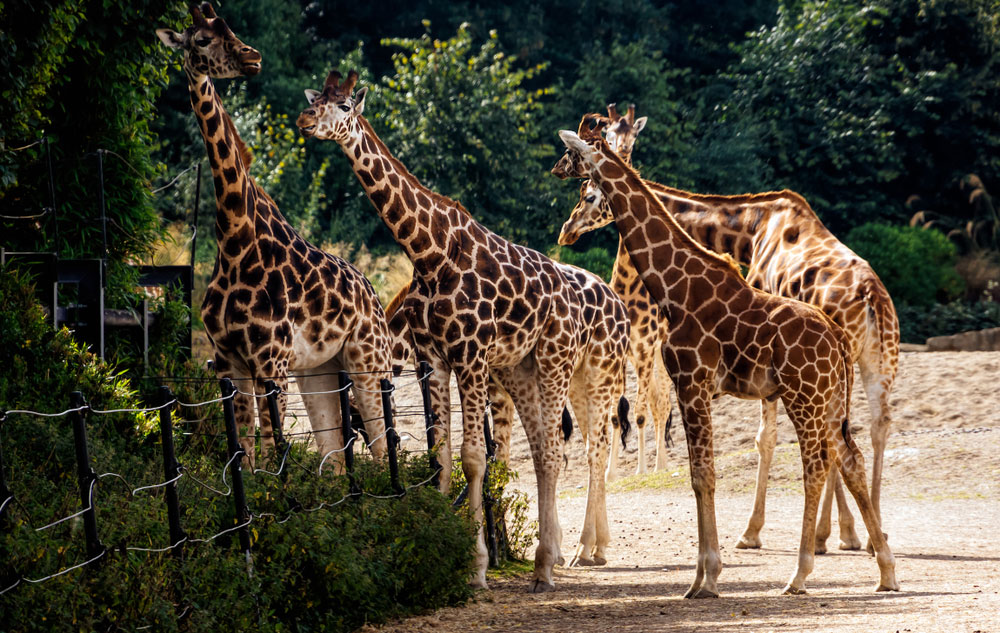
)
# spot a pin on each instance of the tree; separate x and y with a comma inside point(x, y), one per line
point(865, 104)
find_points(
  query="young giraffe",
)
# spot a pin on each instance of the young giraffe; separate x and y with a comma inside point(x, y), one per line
point(789, 252)
point(486, 308)
point(275, 302)
point(727, 337)
point(648, 328)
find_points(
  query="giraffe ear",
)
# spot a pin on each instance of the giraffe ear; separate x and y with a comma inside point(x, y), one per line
point(574, 143)
point(172, 39)
point(639, 124)
point(359, 101)
point(312, 95)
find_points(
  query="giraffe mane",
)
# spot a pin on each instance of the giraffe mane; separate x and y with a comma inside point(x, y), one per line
point(405, 174)
point(723, 259)
point(766, 196)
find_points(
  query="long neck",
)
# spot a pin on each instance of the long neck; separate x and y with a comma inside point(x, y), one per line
point(429, 227)
point(233, 187)
point(662, 253)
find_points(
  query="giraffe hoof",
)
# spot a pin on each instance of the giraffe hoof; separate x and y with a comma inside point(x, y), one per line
point(540, 586)
point(820, 548)
point(746, 542)
point(793, 591)
point(600, 560)
point(701, 593)
point(887, 588)
point(849, 545)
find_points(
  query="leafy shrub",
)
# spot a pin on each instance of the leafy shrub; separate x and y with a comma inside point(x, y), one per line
point(917, 266)
point(344, 562)
point(515, 531)
point(918, 323)
point(596, 259)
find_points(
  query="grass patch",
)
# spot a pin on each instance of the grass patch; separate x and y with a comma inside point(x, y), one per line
point(511, 569)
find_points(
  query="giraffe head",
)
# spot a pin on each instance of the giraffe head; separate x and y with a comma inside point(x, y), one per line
point(590, 128)
point(211, 48)
point(590, 213)
point(622, 131)
point(333, 114)
point(584, 155)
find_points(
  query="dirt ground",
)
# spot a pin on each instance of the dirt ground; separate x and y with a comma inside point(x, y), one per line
point(939, 505)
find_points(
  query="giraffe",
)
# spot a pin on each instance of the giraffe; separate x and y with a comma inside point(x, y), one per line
point(727, 337)
point(595, 535)
point(789, 252)
point(648, 327)
point(275, 302)
point(482, 307)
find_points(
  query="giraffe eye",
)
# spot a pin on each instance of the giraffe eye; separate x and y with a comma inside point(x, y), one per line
point(345, 108)
point(203, 42)
point(590, 199)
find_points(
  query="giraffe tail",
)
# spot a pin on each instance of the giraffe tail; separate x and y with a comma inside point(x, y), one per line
point(567, 424)
point(882, 318)
point(622, 419)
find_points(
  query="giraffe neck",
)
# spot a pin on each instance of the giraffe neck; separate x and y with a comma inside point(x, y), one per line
point(429, 227)
point(235, 191)
point(658, 247)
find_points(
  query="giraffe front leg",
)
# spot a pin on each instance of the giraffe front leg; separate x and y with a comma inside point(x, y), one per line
point(439, 387)
point(368, 396)
point(503, 420)
point(319, 388)
point(264, 412)
point(595, 427)
point(816, 464)
point(767, 438)
point(701, 458)
point(472, 388)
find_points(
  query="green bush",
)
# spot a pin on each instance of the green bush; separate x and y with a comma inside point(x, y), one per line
point(917, 266)
point(333, 566)
point(918, 323)
point(597, 260)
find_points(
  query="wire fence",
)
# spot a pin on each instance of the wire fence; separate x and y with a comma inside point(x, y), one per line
point(231, 473)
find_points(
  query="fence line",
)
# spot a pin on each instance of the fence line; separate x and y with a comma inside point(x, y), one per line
point(175, 472)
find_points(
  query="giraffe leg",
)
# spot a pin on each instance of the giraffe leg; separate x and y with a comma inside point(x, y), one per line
point(877, 387)
point(368, 396)
point(264, 413)
point(698, 428)
point(503, 420)
point(612, 472)
point(826, 509)
point(848, 536)
point(644, 389)
point(472, 389)
point(539, 392)
point(593, 406)
point(767, 438)
point(816, 461)
point(852, 467)
point(660, 405)
point(324, 413)
point(439, 383)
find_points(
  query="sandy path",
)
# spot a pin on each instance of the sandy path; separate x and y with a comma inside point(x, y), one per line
point(940, 504)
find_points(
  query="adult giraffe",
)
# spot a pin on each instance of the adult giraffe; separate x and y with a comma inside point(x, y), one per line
point(727, 337)
point(275, 302)
point(788, 252)
point(648, 332)
point(483, 307)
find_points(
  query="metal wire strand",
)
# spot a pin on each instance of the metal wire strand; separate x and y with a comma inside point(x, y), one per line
point(90, 505)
